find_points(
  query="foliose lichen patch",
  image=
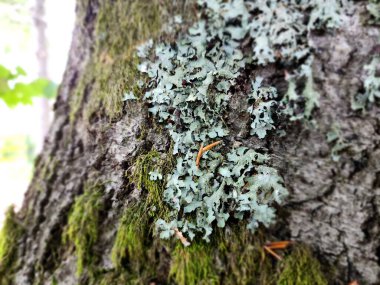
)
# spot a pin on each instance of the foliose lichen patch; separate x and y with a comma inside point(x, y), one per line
point(191, 81)
point(371, 86)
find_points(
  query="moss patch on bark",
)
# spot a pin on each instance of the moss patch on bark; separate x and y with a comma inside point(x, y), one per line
point(10, 235)
point(153, 161)
point(111, 71)
point(243, 257)
point(129, 243)
point(194, 265)
point(233, 256)
point(83, 225)
point(135, 245)
point(300, 267)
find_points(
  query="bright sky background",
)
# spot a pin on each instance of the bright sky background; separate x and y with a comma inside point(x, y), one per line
point(21, 127)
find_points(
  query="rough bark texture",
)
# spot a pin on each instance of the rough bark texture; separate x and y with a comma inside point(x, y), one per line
point(333, 206)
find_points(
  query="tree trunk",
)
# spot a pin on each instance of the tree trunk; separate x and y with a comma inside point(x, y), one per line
point(42, 58)
point(96, 140)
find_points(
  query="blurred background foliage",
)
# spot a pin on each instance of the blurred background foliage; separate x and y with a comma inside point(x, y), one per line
point(14, 92)
point(31, 67)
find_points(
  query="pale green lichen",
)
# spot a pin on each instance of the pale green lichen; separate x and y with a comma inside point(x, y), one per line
point(83, 225)
point(262, 108)
point(371, 86)
point(325, 14)
point(222, 188)
point(300, 106)
point(335, 137)
point(190, 88)
point(373, 7)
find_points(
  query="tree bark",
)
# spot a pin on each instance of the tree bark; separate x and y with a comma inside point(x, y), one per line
point(334, 206)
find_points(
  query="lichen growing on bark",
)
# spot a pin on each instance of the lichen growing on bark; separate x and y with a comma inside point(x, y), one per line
point(373, 8)
point(9, 237)
point(362, 101)
point(83, 224)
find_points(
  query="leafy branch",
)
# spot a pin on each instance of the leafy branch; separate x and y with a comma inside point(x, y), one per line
point(13, 92)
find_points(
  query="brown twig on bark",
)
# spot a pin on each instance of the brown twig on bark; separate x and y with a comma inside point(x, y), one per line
point(210, 146)
point(276, 245)
point(200, 152)
point(180, 236)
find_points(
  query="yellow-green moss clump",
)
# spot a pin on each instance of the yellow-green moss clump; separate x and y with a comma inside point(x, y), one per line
point(233, 257)
point(83, 225)
point(112, 69)
point(243, 256)
point(47, 170)
point(135, 232)
point(129, 243)
point(300, 267)
point(112, 279)
point(236, 257)
point(194, 265)
point(153, 161)
point(9, 237)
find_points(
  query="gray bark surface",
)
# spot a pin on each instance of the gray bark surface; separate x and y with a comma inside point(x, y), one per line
point(333, 206)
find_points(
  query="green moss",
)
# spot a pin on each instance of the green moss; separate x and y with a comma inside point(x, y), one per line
point(46, 172)
point(49, 168)
point(83, 224)
point(129, 243)
point(233, 257)
point(9, 236)
point(193, 265)
point(236, 257)
point(146, 163)
point(300, 267)
point(111, 70)
point(135, 232)
point(134, 252)
point(243, 256)
point(153, 161)
point(112, 278)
